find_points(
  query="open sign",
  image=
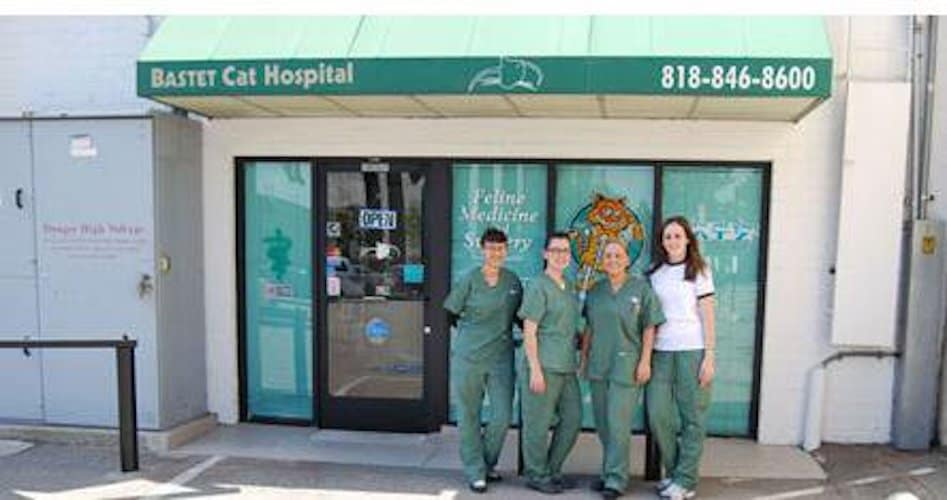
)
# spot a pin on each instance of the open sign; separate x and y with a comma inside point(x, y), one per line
point(377, 219)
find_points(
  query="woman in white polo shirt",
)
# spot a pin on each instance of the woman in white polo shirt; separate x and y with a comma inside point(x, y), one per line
point(683, 361)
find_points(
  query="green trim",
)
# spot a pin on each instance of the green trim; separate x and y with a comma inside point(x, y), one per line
point(646, 75)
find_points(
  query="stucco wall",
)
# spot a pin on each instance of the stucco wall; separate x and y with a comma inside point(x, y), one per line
point(51, 66)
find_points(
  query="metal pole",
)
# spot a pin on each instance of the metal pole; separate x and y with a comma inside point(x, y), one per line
point(519, 437)
point(652, 455)
point(127, 418)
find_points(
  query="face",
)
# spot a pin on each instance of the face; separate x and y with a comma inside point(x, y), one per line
point(557, 254)
point(615, 259)
point(675, 241)
point(494, 253)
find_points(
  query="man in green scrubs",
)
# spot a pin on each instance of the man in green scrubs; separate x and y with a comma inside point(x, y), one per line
point(550, 387)
point(486, 300)
point(622, 312)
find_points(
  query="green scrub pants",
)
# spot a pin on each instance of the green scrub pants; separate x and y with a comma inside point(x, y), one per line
point(543, 458)
point(480, 449)
point(613, 406)
point(677, 412)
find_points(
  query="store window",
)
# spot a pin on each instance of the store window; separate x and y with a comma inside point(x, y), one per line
point(509, 196)
point(595, 200)
point(277, 289)
point(724, 205)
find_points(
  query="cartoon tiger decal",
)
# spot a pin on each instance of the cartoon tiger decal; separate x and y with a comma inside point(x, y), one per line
point(607, 218)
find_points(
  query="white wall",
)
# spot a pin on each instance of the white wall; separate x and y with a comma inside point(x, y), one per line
point(803, 186)
point(804, 208)
point(858, 392)
point(71, 65)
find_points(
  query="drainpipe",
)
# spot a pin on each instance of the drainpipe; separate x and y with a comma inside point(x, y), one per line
point(925, 90)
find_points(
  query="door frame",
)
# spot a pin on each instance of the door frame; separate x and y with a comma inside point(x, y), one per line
point(383, 414)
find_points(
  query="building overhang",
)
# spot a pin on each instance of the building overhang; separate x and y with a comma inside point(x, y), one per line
point(727, 68)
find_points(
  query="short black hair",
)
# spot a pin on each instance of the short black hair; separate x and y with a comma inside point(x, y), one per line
point(558, 235)
point(493, 235)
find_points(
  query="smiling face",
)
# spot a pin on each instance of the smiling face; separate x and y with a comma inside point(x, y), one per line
point(615, 259)
point(494, 254)
point(557, 254)
point(674, 239)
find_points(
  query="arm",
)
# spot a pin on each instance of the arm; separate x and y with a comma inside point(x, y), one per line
point(708, 365)
point(586, 341)
point(643, 372)
point(537, 383)
point(456, 301)
point(655, 317)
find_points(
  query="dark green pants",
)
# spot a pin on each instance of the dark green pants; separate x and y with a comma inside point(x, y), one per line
point(543, 458)
point(480, 448)
point(677, 412)
point(614, 405)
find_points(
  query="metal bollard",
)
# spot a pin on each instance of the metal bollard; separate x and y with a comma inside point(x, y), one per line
point(127, 418)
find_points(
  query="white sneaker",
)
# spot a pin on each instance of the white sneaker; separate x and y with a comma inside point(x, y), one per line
point(662, 485)
point(677, 492)
point(478, 486)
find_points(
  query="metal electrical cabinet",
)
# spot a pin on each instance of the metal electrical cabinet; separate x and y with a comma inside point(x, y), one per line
point(21, 399)
point(105, 239)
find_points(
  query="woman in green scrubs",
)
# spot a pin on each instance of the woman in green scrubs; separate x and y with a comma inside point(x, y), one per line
point(622, 313)
point(550, 388)
point(486, 301)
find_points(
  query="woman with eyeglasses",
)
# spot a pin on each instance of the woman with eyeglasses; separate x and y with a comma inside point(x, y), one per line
point(486, 301)
point(622, 312)
point(549, 385)
point(683, 365)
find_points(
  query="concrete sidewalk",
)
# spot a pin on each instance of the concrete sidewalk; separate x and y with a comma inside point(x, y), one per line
point(71, 471)
point(733, 458)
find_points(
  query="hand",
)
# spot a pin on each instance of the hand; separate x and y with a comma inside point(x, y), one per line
point(537, 383)
point(580, 372)
point(643, 372)
point(707, 370)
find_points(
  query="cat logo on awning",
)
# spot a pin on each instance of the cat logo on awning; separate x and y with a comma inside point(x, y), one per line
point(510, 74)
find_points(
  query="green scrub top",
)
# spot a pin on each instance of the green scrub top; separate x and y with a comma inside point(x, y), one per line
point(617, 321)
point(556, 311)
point(486, 314)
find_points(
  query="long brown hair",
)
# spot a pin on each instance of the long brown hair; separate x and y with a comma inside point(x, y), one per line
point(694, 263)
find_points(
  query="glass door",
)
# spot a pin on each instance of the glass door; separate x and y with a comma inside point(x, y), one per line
point(376, 297)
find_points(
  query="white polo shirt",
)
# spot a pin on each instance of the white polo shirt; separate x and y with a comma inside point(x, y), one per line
point(682, 331)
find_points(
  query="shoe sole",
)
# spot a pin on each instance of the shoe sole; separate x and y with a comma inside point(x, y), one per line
point(542, 489)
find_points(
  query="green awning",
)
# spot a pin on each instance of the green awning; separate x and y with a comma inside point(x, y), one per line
point(608, 66)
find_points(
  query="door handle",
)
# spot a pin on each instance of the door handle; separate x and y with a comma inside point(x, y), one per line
point(145, 286)
point(18, 198)
point(26, 350)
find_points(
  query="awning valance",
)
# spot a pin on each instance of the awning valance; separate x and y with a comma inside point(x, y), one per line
point(697, 67)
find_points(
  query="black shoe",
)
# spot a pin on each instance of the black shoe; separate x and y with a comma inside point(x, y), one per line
point(597, 485)
point(610, 494)
point(547, 487)
point(494, 477)
point(478, 486)
point(563, 482)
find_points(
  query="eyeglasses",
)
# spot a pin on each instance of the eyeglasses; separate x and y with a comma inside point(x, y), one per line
point(558, 251)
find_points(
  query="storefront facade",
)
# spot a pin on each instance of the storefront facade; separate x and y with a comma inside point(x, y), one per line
point(398, 229)
point(348, 164)
point(332, 239)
